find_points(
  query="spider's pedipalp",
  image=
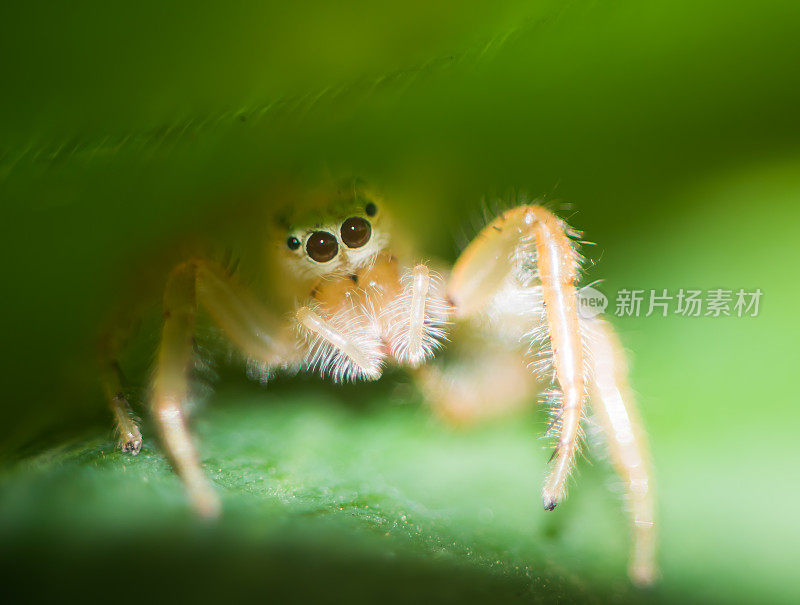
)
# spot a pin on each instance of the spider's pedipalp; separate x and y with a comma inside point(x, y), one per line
point(343, 345)
point(417, 318)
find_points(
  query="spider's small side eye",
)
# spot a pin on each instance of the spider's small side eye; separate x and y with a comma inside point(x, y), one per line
point(293, 243)
point(371, 209)
point(355, 232)
point(322, 246)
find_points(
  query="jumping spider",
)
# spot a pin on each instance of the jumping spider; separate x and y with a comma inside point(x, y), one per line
point(329, 294)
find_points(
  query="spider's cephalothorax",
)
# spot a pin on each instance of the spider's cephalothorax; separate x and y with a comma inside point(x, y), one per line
point(358, 307)
point(364, 307)
point(337, 243)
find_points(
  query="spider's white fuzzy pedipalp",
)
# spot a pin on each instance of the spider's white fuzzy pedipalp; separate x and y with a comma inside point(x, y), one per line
point(417, 318)
point(343, 345)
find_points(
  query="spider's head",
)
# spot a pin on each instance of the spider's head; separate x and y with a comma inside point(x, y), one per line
point(333, 231)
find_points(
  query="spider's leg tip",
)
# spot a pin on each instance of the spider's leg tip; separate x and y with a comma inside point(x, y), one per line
point(207, 504)
point(550, 501)
point(131, 443)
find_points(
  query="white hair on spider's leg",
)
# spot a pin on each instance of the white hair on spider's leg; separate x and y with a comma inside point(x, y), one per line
point(518, 301)
point(552, 397)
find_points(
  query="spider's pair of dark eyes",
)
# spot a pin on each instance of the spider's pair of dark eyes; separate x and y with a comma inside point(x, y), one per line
point(322, 246)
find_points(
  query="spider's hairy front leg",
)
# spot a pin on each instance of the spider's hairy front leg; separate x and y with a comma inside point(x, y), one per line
point(484, 268)
point(254, 332)
point(615, 409)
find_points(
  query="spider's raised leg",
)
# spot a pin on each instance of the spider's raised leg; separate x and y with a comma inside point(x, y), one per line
point(530, 239)
point(250, 328)
point(615, 409)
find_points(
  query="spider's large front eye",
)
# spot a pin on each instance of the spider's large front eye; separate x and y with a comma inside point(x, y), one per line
point(322, 246)
point(356, 232)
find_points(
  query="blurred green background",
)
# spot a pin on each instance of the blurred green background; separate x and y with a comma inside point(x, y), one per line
point(668, 131)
